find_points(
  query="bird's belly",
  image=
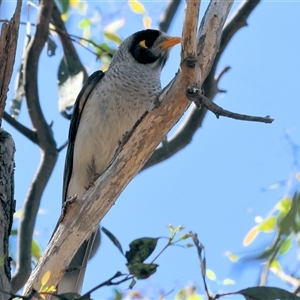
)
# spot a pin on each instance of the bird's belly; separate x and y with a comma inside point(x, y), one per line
point(100, 135)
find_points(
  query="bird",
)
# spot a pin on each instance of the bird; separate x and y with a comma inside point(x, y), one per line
point(108, 106)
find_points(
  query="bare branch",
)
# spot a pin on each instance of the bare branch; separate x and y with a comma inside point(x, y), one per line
point(7, 207)
point(196, 96)
point(194, 120)
point(8, 46)
point(68, 46)
point(129, 159)
point(168, 15)
point(30, 134)
point(63, 146)
point(45, 142)
point(71, 57)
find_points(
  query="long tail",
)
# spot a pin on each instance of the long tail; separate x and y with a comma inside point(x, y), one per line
point(72, 281)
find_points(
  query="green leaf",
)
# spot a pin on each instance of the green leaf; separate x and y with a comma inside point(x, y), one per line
point(194, 297)
point(284, 205)
point(288, 223)
point(211, 275)
point(137, 7)
point(184, 236)
point(113, 37)
point(147, 22)
point(251, 236)
point(181, 295)
point(118, 295)
point(140, 249)
point(74, 3)
point(270, 293)
point(114, 26)
point(14, 232)
point(132, 283)
point(64, 4)
point(171, 228)
point(286, 246)
point(228, 281)
point(232, 257)
point(36, 249)
point(18, 214)
point(104, 50)
point(84, 23)
point(141, 270)
point(45, 278)
point(268, 225)
point(113, 239)
point(275, 265)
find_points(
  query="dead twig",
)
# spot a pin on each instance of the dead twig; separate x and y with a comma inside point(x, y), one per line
point(195, 95)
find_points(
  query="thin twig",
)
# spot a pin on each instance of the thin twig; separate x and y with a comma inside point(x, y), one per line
point(196, 96)
point(30, 134)
point(92, 43)
point(63, 146)
point(266, 268)
point(108, 282)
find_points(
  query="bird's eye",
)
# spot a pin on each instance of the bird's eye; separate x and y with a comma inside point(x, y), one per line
point(146, 44)
point(143, 44)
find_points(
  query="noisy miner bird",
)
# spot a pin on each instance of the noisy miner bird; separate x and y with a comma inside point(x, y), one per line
point(108, 106)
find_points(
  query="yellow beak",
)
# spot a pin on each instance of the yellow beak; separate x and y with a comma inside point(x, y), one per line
point(170, 42)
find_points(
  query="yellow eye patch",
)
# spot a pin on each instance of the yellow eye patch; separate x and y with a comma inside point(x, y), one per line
point(143, 44)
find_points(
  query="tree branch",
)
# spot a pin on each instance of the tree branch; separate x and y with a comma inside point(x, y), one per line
point(130, 157)
point(168, 15)
point(70, 54)
point(45, 141)
point(30, 134)
point(194, 120)
point(66, 42)
point(196, 96)
point(7, 207)
point(8, 46)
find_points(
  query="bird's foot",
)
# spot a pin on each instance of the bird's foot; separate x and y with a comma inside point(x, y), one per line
point(65, 206)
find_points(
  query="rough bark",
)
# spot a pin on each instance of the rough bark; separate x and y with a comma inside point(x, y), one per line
point(7, 207)
point(45, 141)
point(8, 45)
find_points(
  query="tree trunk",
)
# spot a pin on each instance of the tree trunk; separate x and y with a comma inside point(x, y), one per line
point(7, 207)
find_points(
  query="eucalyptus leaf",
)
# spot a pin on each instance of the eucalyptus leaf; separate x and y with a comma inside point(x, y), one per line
point(140, 249)
point(265, 292)
point(141, 270)
point(113, 239)
point(64, 5)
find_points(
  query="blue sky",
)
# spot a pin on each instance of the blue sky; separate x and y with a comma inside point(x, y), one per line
point(212, 187)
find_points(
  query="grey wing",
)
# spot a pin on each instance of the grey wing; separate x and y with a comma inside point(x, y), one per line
point(80, 102)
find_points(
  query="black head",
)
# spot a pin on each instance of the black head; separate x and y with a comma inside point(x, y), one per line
point(150, 46)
